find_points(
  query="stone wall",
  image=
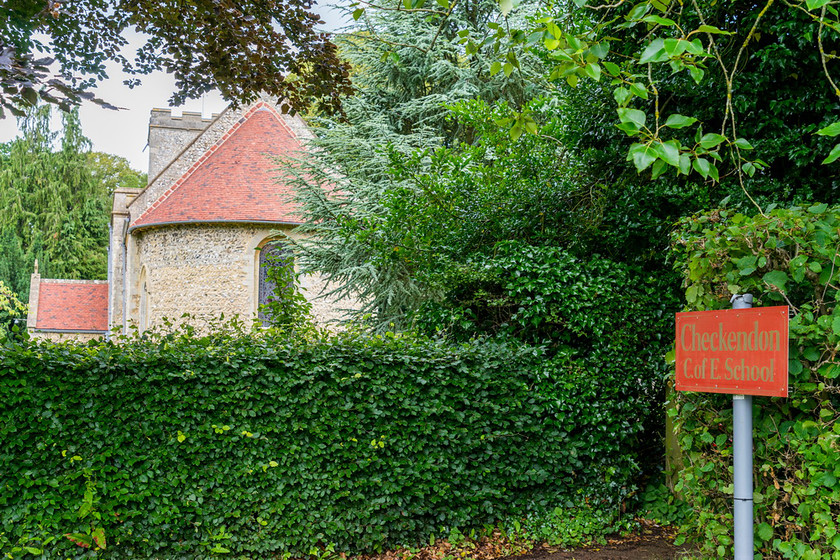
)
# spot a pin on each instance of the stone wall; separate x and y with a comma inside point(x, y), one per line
point(65, 336)
point(206, 270)
point(169, 135)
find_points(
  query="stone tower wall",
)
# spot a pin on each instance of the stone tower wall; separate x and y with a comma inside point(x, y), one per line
point(169, 135)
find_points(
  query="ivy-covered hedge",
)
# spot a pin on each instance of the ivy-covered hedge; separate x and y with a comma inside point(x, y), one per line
point(255, 446)
point(789, 257)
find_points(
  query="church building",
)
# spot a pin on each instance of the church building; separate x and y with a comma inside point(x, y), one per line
point(192, 242)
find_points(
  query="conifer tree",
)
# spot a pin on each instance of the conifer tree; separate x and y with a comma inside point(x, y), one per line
point(409, 69)
point(55, 210)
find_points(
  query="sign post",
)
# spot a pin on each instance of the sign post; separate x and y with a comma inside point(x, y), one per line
point(744, 352)
point(742, 461)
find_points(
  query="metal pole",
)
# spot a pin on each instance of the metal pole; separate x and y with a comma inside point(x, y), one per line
point(742, 459)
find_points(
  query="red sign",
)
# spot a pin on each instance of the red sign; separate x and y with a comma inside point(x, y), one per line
point(737, 351)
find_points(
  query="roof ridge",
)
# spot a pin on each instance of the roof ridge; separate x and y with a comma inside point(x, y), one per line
point(261, 105)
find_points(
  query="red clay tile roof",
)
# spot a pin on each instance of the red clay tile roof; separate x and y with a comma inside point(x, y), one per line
point(235, 180)
point(73, 306)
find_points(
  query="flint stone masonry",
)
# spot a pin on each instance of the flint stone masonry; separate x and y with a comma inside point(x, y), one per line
point(169, 135)
point(205, 270)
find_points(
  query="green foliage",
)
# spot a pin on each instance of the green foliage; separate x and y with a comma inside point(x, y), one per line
point(286, 307)
point(577, 523)
point(733, 93)
point(659, 504)
point(55, 208)
point(12, 311)
point(114, 172)
point(189, 447)
point(786, 257)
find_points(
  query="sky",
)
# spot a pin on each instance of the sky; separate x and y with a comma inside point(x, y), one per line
point(124, 133)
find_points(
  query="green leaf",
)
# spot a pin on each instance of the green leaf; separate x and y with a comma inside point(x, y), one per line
point(659, 20)
point(712, 29)
point(835, 326)
point(358, 13)
point(816, 4)
point(654, 52)
point(679, 121)
point(669, 152)
point(642, 156)
point(639, 90)
point(551, 43)
point(701, 166)
point(632, 115)
point(495, 68)
point(691, 294)
point(600, 50)
point(612, 68)
point(711, 140)
point(835, 153)
point(621, 95)
point(697, 73)
point(818, 208)
point(830, 130)
point(764, 531)
point(593, 70)
point(742, 144)
point(776, 278)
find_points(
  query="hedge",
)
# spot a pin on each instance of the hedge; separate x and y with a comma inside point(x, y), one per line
point(788, 257)
point(259, 447)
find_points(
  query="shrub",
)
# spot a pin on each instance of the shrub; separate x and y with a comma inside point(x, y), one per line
point(190, 447)
point(786, 257)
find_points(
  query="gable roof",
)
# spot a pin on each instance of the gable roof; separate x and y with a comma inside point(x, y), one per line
point(69, 305)
point(235, 179)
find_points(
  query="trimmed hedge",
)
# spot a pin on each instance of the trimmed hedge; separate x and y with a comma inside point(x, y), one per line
point(789, 257)
point(257, 446)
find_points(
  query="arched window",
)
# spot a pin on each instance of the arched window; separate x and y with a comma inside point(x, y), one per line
point(276, 264)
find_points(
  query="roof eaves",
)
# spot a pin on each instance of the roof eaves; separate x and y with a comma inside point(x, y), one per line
point(193, 222)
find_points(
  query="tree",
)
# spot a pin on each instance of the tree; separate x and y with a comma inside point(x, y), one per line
point(409, 70)
point(55, 210)
point(241, 48)
point(113, 172)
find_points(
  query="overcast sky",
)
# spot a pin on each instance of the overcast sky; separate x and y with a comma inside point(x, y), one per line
point(124, 132)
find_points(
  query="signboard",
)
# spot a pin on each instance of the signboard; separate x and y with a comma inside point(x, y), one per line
point(737, 351)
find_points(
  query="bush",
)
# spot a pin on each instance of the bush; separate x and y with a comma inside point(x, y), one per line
point(181, 447)
point(787, 257)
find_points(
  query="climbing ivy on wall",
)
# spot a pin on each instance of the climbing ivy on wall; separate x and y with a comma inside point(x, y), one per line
point(785, 257)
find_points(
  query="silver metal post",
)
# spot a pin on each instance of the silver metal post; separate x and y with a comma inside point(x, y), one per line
point(742, 459)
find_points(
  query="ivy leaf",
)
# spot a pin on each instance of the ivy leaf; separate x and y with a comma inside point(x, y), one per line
point(776, 278)
point(764, 531)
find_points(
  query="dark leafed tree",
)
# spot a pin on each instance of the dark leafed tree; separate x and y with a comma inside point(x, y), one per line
point(56, 51)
